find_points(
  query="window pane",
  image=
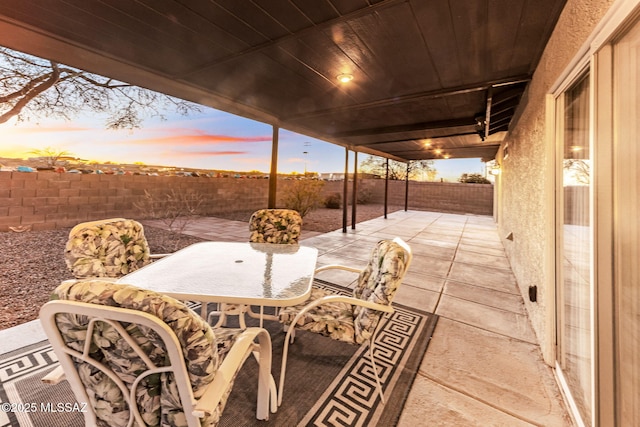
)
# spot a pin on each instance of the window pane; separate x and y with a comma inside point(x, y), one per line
point(575, 327)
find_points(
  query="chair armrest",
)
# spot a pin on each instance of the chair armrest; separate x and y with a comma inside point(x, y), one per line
point(337, 267)
point(55, 376)
point(239, 352)
point(345, 299)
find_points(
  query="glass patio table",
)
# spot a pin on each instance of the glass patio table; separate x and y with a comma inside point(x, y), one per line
point(235, 274)
point(261, 274)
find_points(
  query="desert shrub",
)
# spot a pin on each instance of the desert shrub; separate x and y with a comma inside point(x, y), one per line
point(473, 178)
point(303, 196)
point(364, 196)
point(333, 201)
point(175, 208)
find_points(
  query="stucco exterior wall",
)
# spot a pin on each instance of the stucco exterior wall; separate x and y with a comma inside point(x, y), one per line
point(526, 187)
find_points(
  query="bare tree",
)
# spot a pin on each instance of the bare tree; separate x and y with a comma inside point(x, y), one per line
point(473, 178)
point(397, 170)
point(32, 87)
point(50, 155)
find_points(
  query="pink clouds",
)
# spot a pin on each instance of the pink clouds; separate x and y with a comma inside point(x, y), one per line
point(208, 153)
point(198, 139)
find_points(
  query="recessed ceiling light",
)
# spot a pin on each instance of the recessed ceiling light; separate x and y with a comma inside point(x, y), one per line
point(446, 156)
point(437, 151)
point(426, 142)
point(345, 78)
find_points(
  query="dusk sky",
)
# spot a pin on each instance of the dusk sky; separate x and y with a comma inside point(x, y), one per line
point(211, 139)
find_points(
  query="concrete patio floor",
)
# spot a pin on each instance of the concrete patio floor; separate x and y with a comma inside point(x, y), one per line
point(483, 366)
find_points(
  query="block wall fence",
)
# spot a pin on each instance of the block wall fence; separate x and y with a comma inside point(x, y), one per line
point(48, 200)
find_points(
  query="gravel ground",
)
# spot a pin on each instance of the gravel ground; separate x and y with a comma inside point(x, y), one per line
point(32, 263)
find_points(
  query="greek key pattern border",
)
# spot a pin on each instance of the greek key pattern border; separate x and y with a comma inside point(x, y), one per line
point(350, 400)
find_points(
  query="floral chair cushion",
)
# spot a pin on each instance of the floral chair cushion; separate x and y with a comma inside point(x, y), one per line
point(378, 283)
point(109, 248)
point(334, 320)
point(281, 226)
point(157, 396)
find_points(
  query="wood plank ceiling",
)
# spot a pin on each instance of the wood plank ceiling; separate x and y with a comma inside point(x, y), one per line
point(431, 78)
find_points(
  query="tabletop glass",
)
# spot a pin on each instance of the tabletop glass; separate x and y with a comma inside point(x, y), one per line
point(247, 273)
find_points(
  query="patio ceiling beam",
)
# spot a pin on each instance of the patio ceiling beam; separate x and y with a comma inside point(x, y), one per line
point(407, 128)
point(480, 150)
point(366, 150)
point(452, 149)
point(443, 93)
point(392, 141)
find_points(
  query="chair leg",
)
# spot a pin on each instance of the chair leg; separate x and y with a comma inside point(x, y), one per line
point(273, 391)
point(375, 372)
point(283, 368)
point(286, 328)
point(203, 310)
point(265, 380)
point(273, 395)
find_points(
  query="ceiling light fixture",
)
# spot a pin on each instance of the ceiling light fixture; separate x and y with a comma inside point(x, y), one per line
point(426, 142)
point(446, 156)
point(345, 78)
point(437, 151)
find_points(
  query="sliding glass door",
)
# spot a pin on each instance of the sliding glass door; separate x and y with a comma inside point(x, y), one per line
point(574, 232)
point(596, 122)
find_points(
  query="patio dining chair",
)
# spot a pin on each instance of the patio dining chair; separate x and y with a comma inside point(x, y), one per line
point(277, 226)
point(107, 249)
point(136, 357)
point(352, 319)
point(281, 226)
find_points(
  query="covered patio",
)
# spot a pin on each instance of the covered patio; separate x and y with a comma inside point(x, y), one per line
point(410, 80)
point(483, 365)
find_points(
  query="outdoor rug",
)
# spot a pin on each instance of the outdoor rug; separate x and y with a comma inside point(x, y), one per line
point(328, 383)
